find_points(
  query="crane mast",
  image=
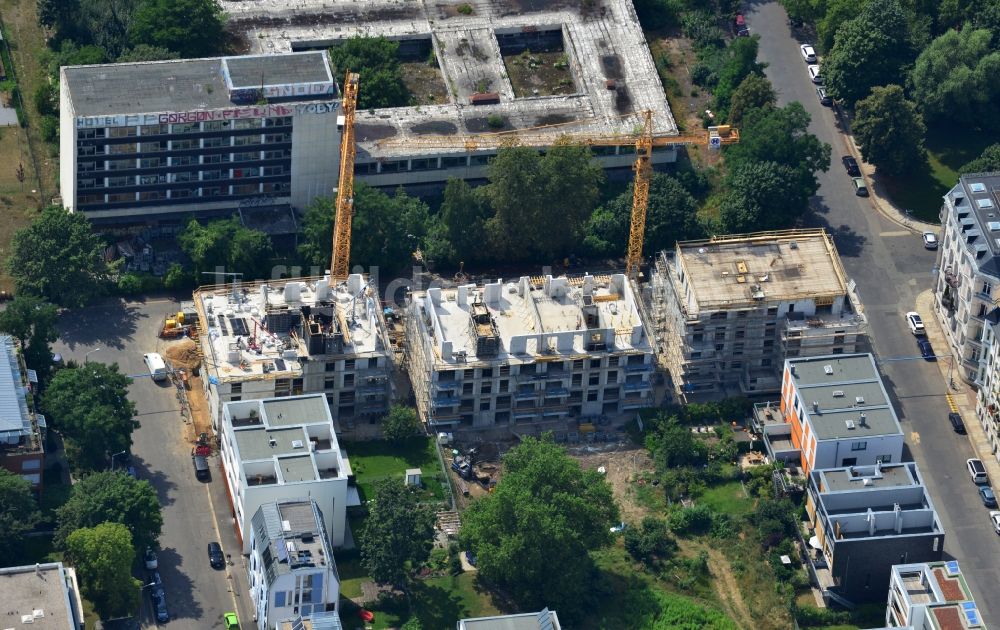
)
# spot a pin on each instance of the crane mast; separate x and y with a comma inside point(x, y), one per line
point(640, 196)
point(340, 265)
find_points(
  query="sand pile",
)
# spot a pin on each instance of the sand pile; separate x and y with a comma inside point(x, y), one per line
point(184, 354)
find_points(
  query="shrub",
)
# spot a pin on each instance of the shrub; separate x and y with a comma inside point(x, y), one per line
point(129, 284)
point(49, 128)
point(465, 9)
point(650, 542)
point(691, 520)
point(495, 121)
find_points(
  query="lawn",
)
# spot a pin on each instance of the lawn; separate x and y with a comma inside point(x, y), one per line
point(438, 602)
point(374, 460)
point(727, 498)
point(948, 149)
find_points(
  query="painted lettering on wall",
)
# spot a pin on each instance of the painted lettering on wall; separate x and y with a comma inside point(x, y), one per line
point(265, 111)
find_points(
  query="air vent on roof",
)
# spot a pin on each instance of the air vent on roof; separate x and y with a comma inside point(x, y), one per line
point(994, 226)
point(984, 203)
point(859, 400)
point(849, 423)
point(298, 444)
point(793, 245)
point(867, 481)
point(286, 526)
point(838, 393)
point(828, 369)
point(977, 187)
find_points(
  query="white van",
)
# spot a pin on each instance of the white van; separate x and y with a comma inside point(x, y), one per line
point(154, 363)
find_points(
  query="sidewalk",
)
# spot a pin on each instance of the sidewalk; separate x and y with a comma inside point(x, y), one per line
point(961, 397)
point(876, 192)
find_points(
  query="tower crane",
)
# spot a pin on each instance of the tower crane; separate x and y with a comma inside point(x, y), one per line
point(340, 265)
point(642, 139)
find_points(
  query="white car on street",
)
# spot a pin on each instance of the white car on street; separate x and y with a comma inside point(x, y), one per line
point(814, 74)
point(915, 323)
point(995, 520)
point(930, 240)
point(808, 53)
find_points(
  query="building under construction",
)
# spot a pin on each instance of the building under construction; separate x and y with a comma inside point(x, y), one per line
point(478, 67)
point(302, 336)
point(732, 308)
point(536, 354)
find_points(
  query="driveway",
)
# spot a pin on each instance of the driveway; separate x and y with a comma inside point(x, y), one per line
point(197, 595)
point(891, 268)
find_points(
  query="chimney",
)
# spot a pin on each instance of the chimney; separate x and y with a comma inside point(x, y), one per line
point(861, 420)
point(38, 569)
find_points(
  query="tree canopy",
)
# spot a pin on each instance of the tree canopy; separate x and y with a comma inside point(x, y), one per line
point(102, 557)
point(18, 512)
point(889, 131)
point(954, 79)
point(988, 160)
point(387, 228)
point(114, 497)
point(761, 196)
point(754, 92)
point(397, 534)
point(89, 406)
point(545, 512)
point(32, 321)
point(376, 60)
point(869, 50)
point(227, 245)
point(190, 28)
point(58, 257)
point(400, 424)
point(671, 216)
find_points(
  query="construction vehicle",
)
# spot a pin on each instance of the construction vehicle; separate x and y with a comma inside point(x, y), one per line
point(643, 140)
point(175, 325)
point(340, 265)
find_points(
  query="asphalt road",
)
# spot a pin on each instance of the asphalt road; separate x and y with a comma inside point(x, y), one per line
point(891, 268)
point(196, 594)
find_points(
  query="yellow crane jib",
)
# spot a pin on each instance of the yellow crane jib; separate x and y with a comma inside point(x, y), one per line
point(340, 265)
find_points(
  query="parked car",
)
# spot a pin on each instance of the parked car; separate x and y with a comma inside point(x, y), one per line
point(860, 188)
point(808, 53)
point(149, 557)
point(851, 165)
point(159, 600)
point(956, 422)
point(988, 498)
point(995, 520)
point(741, 26)
point(814, 74)
point(976, 470)
point(916, 323)
point(824, 98)
point(215, 557)
point(201, 469)
point(930, 240)
point(926, 351)
point(132, 472)
point(231, 621)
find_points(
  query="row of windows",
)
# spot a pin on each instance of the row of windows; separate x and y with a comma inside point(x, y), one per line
point(147, 148)
point(176, 128)
point(181, 177)
point(206, 192)
point(179, 160)
point(556, 369)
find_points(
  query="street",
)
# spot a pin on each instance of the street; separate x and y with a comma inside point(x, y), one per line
point(891, 268)
point(118, 332)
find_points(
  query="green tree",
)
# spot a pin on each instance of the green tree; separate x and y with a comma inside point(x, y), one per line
point(836, 14)
point(545, 512)
point(889, 131)
point(376, 60)
point(397, 535)
point(400, 424)
point(651, 542)
point(673, 445)
point(780, 135)
point(988, 160)
point(57, 14)
point(228, 244)
point(112, 497)
point(88, 404)
point(754, 92)
point(102, 557)
point(954, 79)
point(464, 213)
point(58, 257)
point(671, 216)
point(18, 513)
point(870, 50)
point(658, 14)
point(106, 24)
point(145, 52)
point(761, 196)
point(32, 321)
point(387, 229)
point(176, 278)
point(190, 28)
point(740, 62)
point(316, 243)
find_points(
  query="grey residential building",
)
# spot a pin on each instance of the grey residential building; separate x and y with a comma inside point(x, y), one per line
point(40, 597)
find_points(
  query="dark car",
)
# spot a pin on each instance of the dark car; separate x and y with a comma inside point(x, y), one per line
point(986, 494)
point(851, 165)
point(201, 469)
point(956, 422)
point(159, 600)
point(215, 557)
point(926, 351)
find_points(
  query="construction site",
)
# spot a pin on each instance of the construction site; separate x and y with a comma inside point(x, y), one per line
point(489, 65)
point(732, 308)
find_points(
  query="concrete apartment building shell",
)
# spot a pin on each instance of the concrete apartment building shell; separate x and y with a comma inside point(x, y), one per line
point(731, 309)
point(529, 355)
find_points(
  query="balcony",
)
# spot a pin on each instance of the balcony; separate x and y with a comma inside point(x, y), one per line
point(639, 367)
point(638, 386)
point(444, 402)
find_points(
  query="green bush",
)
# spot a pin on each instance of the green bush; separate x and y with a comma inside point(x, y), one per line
point(495, 121)
point(129, 284)
point(465, 9)
point(691, 520)
point(49, 128)
point(650, 542)
point(811, 616)
point(176, 278)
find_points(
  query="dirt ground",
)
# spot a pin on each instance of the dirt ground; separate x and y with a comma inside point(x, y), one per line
point(626, 467)
point(424, 82)
point(184, 354)
point(546, 72)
